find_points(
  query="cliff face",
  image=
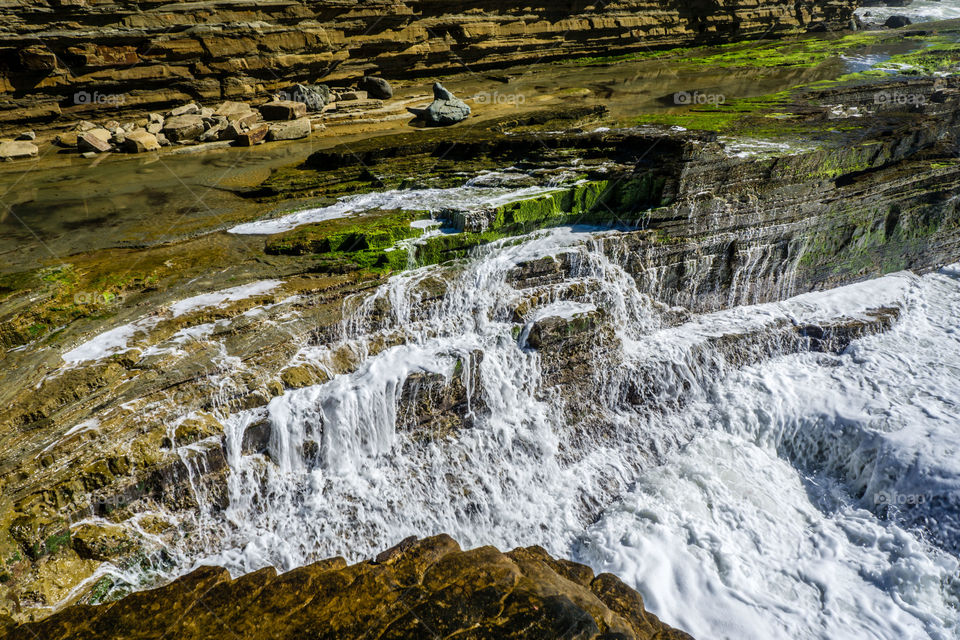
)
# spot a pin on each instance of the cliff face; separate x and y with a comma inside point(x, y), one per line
point(419, 589)
point(142, 54)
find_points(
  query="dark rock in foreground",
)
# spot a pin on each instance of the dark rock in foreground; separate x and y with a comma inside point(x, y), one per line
point(418, 589)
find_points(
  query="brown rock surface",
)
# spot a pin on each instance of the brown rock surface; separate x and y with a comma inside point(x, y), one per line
point(418, 589)
point(159, 53)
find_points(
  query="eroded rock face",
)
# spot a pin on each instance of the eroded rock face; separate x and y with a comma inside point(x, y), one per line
point(420, 588)
point(160, 54)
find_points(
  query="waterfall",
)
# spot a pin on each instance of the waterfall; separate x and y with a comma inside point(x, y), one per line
point(544, 449)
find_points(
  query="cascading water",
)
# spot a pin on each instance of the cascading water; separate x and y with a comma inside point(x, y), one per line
point(737, 500)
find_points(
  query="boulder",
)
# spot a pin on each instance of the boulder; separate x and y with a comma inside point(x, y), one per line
point(67, 139)
point(290, 130)
point(187, 109)
point(376, 87)
point(445, 109)
point(139, 141)
point(183, 127)
point(232, 110)
point(154, 127)
point(254, 136)
point(17, 150)
point(27, 135)
point(283, 110)
point(314, 96)
point(353, 95)
point(92, 142)
point(895, 22)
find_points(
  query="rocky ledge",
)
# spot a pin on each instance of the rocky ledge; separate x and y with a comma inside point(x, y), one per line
point(418, 589)
point(77, 57)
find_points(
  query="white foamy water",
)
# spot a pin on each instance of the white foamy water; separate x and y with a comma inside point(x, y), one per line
point(917, 11)
point(740, 502)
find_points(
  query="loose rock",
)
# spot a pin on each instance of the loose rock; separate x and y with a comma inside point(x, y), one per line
point(283, 110)
point(93, 142)
point(376, 87)
point(445, 109)
point(252, 137)
point(139, 141)
point(290, 130)
point(183, 128)
point(17, 149)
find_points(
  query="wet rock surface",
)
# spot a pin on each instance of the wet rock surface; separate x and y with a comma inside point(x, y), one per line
point(420, 588)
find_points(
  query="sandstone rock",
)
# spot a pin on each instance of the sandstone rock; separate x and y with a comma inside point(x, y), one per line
point(206, 112)
point(119, 137)
point(102, 542)
point(482, 593)
point(139, 141)
point(445, 109)
point(27, 135)
point(162, 139)
point(187, 109)
point(154, 127)
point(283, 110)
point(17, 150)
point(67, 139)
point(376, 87)
point(353, 95)
point(85, 125)
point(254, 136)
point(156, 117)
point(230, 109)
point(37, 58)
point(182, 128)
point(91, 142)
point(290, 130)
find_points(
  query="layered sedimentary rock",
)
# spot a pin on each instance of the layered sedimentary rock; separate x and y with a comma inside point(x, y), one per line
point(80, 57)
point(418, 589)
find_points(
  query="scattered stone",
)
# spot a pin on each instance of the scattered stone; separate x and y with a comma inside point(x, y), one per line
point(206, 112)
point(445, 109)
point(231, 132)
point(118, 137)
point(229, 108)
point(254, 136)
point(895, 22)
point(85, 125)
point(155, 117)
point(183, 128)
point(130, 126)
point(154, 127)
point(140, 141)
point(213, 133)
point(17, 150)
point(353, 95)
point(67, 139)
point(290, 130)
point(112, 126)
point(27, 135)
point(315, 97)
point(89, 155)
point(187, 109)
point(92, 142)
point(283, 110)
point(376, 87)
point(162, 140)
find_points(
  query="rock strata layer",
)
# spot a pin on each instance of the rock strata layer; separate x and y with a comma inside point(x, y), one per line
point(81, 57)
point(418, 589)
